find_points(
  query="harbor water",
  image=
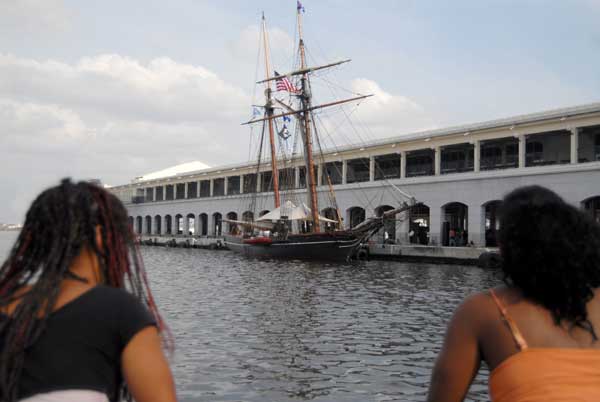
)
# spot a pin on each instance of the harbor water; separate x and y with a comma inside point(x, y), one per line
point(252, 330)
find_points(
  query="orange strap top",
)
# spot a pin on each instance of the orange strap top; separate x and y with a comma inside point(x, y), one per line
point(544, 374)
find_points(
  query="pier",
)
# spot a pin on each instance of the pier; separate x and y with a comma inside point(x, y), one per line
point(459, 174)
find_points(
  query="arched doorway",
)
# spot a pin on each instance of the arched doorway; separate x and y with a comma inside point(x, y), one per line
point(157, 224)
point(492, 224)
point(455, 223)
point(217, 228)
point(592, 206)
point(388, 231)
point(355, 215)
point(178, 224)
point(190, 225)
point(148, 221)
point(168, 224)
point(131, 223)
point(330, 213)
point(138, 225)
point(263, 213)
point(203, 224)
point(232, 228)
point(418, 232)
point(248, 216)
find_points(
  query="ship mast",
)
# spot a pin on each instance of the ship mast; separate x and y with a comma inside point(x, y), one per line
point(269, 117)
point(303, 116)
point(305, 100)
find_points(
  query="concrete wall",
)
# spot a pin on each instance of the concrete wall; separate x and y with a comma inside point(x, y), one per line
point(575, 183)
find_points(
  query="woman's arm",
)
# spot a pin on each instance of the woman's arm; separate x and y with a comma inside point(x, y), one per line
point(459, 360)
point(146, 369)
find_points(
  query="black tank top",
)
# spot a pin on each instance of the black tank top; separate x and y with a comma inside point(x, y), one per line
point(82, 344)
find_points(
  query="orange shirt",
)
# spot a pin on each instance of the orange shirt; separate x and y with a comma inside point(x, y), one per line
point(545, 374)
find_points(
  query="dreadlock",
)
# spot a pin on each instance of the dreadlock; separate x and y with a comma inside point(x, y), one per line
point(60, 223)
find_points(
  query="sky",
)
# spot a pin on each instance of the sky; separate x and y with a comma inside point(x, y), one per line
point(114, 90)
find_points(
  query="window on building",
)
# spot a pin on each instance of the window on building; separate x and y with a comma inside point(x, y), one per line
point(334, 171)
point(180, 191)
point(250, 183)
point(192, 189)
point(420, 163)
point(218, 187)
point(357, 170)
point(266, 181)
point(233, 185)
point(387, 166)
point(204, 188)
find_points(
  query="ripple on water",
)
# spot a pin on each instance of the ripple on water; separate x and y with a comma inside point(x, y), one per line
point(256, 330)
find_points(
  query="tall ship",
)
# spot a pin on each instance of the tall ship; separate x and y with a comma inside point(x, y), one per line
point(304, 224)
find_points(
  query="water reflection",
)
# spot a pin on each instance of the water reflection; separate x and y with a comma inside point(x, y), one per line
point(252, 330)
point(257, 330)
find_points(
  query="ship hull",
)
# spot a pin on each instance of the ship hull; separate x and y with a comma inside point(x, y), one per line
point(304, 247)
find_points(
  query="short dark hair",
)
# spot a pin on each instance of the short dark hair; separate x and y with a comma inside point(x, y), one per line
point(551, 252)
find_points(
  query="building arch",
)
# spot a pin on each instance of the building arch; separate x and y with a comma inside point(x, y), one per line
point(248, 216)
point(178, 224)
point(388, 231)
point(355, 215)
point(148, 225)
point(419, 224)
point(190, 224)
point(592, 206)
point(157, 224)
point(263, 212)
point(217, 226)
point(138, 225)
point(330, 213)
point(491, 222)
point(131, 223)
point(232, 228)
point(455, 224)
point(168, 224)
point(203, 221)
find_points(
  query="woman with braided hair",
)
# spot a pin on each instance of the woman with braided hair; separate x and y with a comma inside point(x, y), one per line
point(77, 319)
point(538, 334)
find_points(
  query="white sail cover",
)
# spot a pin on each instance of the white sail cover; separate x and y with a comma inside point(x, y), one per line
point(292, 212)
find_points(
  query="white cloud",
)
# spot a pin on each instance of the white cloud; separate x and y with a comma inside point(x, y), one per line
point(387, 114)
point(115, 118)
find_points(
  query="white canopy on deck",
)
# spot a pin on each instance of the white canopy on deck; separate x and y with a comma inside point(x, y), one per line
point(292, 212)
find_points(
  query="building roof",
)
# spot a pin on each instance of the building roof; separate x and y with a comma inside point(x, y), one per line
point(579, 110)
point(183, 168)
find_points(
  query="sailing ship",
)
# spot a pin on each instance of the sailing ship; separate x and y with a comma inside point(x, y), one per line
point(295, 229)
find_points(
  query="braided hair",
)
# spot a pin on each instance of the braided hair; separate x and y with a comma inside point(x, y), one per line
point(60, 223)
point(551, 252)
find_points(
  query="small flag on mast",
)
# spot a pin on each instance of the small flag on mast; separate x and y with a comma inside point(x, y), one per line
point(300, 6)
point(282, 83)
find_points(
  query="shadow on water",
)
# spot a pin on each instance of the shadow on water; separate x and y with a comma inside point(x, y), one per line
point(267, 330)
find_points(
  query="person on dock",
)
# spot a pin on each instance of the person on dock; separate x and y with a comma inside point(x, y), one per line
point(77, 319)
point(538, 335)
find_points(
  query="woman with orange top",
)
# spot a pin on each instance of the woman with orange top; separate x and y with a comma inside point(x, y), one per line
point(538, 335)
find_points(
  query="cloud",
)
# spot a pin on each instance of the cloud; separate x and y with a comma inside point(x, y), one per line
point(384, 111)
point(114, 118)
point(161, 90)
point(35, 16)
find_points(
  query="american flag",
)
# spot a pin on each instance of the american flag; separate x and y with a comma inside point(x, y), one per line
point(283, 84)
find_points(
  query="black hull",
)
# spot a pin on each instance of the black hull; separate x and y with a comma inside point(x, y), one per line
point(317, 247)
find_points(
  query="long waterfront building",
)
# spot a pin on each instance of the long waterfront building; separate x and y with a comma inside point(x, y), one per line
point(460, 174)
